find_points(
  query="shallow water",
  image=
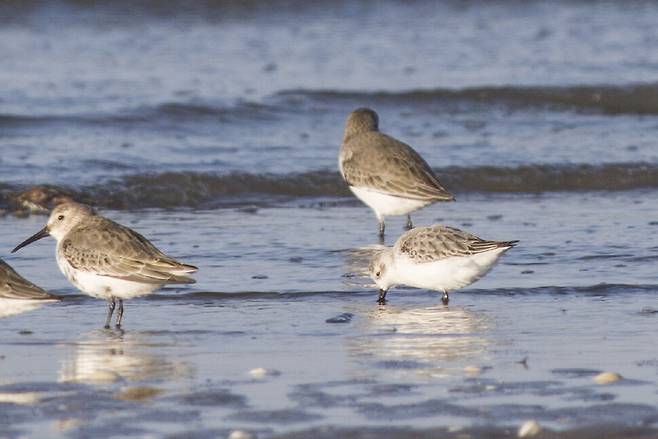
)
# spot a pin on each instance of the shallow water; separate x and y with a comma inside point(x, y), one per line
point(213, 130)
point(572, 309)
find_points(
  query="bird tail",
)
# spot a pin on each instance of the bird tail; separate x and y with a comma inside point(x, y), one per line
point(183, 269)
point(507, 244)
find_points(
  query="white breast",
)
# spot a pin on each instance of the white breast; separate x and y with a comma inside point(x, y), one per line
point(385, 205)
point(103, 287)
point(447, 274)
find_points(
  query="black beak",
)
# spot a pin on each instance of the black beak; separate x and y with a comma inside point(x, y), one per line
point(37, 236)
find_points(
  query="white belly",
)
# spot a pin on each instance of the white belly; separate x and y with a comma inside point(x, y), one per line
point(385, 205)
point(448, 274)
point(103, 287)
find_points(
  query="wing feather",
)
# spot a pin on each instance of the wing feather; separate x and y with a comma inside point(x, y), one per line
point(365, 159)
point(430, 244)
point(110, 249)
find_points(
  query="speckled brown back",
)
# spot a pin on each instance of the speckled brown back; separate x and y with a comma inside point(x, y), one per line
point(106, 248)
point(429, 244)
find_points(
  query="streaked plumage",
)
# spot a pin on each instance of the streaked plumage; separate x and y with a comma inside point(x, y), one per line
point(107, 260)
point(18, 294)
point(387, 175)
point(436, 258)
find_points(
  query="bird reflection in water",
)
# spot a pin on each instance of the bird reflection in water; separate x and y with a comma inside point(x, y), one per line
point(108, 356)
point(431, 341)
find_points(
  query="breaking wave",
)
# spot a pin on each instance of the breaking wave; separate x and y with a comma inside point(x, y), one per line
point(607, 99)
point(209, 190)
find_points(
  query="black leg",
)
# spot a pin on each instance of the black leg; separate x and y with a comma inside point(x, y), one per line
point(445, 298)
point(120, 314)
point(410, 225)
point(382, 297)
point(110, 310)
point(382, 227)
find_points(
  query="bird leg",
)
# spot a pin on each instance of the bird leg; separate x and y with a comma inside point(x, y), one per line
point(382, 227)
point(409, 225)
point(120, 314)
point(382, 297)
point(445, 298)
point(110, 310)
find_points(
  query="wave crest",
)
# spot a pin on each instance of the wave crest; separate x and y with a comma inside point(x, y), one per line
point(207, 190)
point(608, 99)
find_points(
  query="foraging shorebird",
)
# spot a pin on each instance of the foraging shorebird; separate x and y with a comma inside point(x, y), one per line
point(107, 260)
point(18, 294)
point(435, 258)
point(386, 174)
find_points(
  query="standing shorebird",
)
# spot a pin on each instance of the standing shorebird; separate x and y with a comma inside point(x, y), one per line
point(107, 260)
point(386, 174)
point(435, 258)
point(18, 294)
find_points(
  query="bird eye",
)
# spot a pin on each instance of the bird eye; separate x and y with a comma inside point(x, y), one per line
point(378, 273)
point(61, 217)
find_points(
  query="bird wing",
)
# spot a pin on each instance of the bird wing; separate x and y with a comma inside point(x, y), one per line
point(382, 163)
point(430, 244)
point(110, 249)
point(14, 286)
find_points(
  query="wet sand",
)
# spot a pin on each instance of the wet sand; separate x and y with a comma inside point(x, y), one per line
point(524, 343)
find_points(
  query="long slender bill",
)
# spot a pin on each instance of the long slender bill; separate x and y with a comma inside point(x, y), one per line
point(37, 236)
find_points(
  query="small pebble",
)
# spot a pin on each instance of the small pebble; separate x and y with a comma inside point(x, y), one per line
point(529, 429)
point(607, 378)
point(473, 371)
point(259, 373)
point(239, 434)
point(342, 318)
point(138, 394)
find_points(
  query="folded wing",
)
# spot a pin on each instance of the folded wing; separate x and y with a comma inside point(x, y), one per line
point(382, 163)
point(109, 249)
point(430, 244)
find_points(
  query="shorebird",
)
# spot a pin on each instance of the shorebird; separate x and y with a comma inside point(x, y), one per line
point(106, 260)
point(18, 294)
point(435, 258)
point(387, 175)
